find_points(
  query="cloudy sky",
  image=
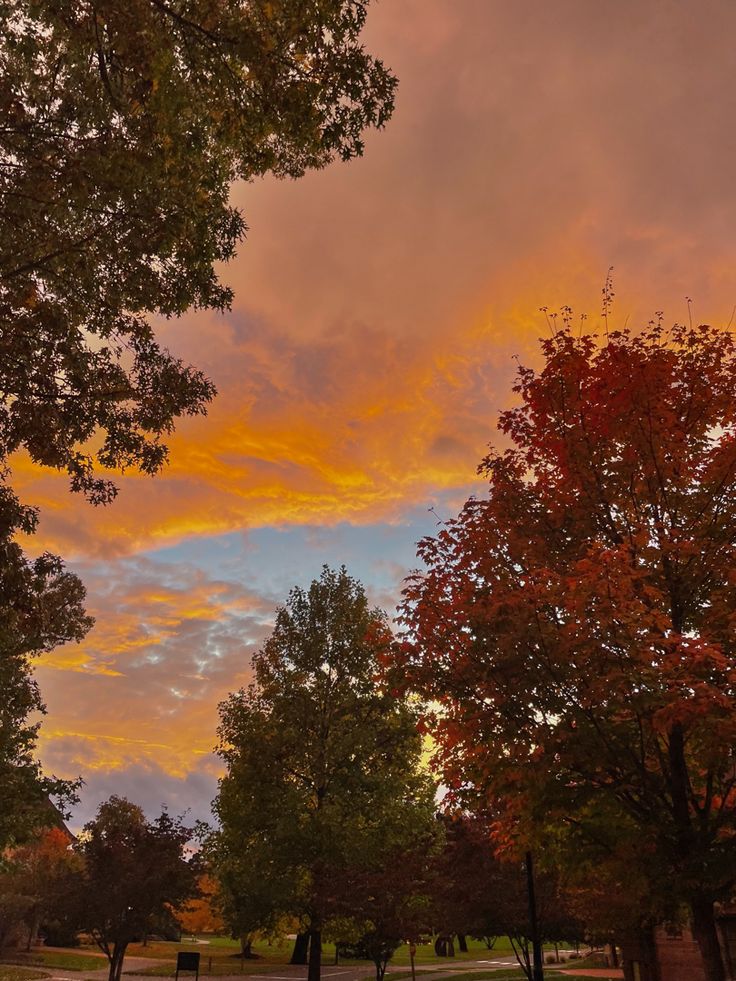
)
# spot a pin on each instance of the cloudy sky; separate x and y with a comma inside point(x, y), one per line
point(380, 310)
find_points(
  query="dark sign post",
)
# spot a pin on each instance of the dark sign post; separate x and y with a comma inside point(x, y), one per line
point(187, 960)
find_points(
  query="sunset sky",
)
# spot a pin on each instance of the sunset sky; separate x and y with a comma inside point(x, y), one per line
point(380, 307)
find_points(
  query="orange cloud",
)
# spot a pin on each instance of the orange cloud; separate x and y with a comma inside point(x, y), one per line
point(169, 643)
point(379, 308)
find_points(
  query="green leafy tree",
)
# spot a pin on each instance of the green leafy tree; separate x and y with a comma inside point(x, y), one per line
point(123, 127)
point(41, 607)
point(133, 872)
point(323, 779)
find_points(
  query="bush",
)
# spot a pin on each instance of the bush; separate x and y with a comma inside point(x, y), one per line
point(58, 933)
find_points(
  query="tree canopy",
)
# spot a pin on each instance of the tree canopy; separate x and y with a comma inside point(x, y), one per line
point(124, 126)
point(323, 783)
point(41, 607)
point(133, 871)
point(576, 627)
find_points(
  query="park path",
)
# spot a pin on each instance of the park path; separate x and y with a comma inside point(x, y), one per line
point(595, 972)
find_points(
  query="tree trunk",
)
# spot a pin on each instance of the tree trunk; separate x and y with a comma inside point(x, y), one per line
point(315, 955)
point(701, 907)
point(301, 948)
point(538, 968)
point(116, 962)
point(462, 943)
point(32, 930)
point(706, 934)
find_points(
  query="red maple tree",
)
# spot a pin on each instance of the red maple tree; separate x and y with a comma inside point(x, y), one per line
point(575, 628)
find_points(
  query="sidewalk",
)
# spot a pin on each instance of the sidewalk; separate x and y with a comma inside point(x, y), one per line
point(594, 972)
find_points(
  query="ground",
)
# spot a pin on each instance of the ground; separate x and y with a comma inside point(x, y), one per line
point(219, 958)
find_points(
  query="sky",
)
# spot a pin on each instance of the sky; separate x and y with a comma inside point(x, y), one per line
point(382, 308)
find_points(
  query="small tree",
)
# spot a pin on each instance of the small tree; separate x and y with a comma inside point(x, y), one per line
point(323, 775)
point(41, 870)
point(391, 905)
point(203, 912)
point(134, 870)
point(466, 898)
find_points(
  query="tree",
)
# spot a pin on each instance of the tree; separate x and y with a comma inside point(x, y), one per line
point(323, 780)
point(477, 893)
point(464, 893)
point(576, 627)
point(202, 914)
point(133, 871)
point(41, 607)
point(124, 126)
point(387, 906)
point(38, 875)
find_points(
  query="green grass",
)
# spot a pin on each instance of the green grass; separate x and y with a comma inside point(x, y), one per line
point(219, 942)
point(219, 948)
point(166, 969)
point(61, 959)
point(224, 955)
point(223, 952)
point(12, 972)
point(477, 951)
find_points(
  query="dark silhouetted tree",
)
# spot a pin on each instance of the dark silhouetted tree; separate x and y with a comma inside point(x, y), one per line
point(133, 872)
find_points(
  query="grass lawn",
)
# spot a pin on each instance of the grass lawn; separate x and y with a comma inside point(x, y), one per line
point(13, 972)
point(166, 969)
point(224, 956)
point(217, 947)
point(69, 961)
point(220, 956)
point(477, 951)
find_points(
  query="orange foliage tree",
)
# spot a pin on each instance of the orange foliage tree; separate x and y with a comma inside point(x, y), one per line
point(202, 914)
point(575, 628)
